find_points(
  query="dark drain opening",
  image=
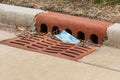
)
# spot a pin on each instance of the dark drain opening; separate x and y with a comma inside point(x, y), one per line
point(68, 30)
point(55, 30)
point(37, 46)
point(94, 38)
point(72, 53)
point(76, 50)
point(31, 47)
point(81, 35)
point(17, 43)
point(67, 54)
point(43, 28)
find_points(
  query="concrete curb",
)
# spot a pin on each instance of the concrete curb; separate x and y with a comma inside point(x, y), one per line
point(20, 16)
point(113, 36)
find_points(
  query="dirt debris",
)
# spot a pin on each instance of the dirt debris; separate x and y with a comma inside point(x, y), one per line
point(26, 34)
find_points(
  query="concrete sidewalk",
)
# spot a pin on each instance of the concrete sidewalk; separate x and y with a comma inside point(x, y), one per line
point(104, 57)
point(18, 64)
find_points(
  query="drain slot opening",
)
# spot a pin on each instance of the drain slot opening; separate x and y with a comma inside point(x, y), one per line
point(72, 53)
point(51, 41)
point(58, 47)
point(62, 45)
point(69, 31)
point(37, 46)
point(31, 47)
point(42, 44)
point(18, 43)
point(49, 51)
point(94, 38)
point(22, 41)
point(81, 35)
point(36, 39)
point(76, 50)
point(54, 49)
point(28, 40)
point(55, 30)
point(81, 48)
point(47, 42)
point(67, 55)
point(43, 28)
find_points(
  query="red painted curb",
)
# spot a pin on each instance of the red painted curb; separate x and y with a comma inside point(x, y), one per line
point(79, 27)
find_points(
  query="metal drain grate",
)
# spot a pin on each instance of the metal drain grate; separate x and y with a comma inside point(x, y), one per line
point(49, 46)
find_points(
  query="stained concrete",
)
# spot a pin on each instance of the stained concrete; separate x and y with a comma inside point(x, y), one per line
point(18, 64)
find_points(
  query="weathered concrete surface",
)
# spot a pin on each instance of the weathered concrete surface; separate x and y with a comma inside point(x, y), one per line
point(106, 57)
point(20, 16)
point(5, 35)
point(18, 64)
point(113, 34)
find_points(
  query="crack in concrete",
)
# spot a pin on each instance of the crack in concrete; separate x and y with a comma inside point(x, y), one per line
point(100, 66)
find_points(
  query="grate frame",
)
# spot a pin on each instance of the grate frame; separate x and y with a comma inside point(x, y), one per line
point(54, 47)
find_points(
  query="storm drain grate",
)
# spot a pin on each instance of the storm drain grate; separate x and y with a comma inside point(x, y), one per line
point(50, 46)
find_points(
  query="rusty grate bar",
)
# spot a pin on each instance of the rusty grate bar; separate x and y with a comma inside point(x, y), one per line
point(49, 46)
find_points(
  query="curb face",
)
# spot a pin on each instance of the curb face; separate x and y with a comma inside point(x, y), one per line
point(20, 16)
point(113, 34)
point(81, 28)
